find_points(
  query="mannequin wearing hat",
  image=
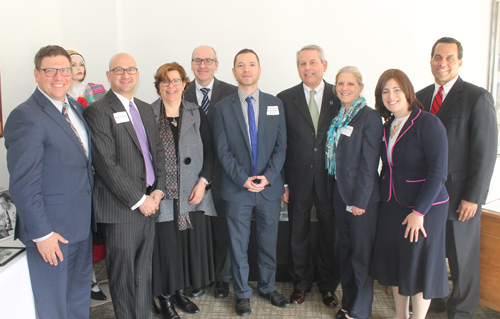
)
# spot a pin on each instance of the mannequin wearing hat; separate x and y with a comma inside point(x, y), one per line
point(83, 92)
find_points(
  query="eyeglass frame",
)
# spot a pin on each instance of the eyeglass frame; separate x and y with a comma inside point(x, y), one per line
point(51, 76)
point(162, 83)
point(204, 61)
point(118, 68)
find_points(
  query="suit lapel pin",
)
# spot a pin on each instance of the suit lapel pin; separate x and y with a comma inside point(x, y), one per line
point(331, 102)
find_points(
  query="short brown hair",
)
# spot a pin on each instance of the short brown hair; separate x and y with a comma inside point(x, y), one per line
point(243, 52)
point(162, 75)
point(50, 50)
point(406, 86)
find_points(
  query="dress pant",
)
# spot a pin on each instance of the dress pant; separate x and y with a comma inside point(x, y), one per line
point(129, 254)
point(221, 240)
point(357, 239)
point(62, 291)
point(462, 250)
point(267, 215)
point(300, 260)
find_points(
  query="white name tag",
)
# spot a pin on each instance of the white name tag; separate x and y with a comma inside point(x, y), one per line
point(347, 131)
point(121, 117)
point(273, 110)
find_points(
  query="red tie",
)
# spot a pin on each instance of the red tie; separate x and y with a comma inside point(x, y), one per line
point(438, 100)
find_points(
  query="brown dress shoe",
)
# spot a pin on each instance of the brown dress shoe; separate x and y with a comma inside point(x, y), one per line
point(298, 297)
point(330, 299)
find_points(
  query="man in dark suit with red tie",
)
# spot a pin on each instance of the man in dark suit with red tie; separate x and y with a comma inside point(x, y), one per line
point(468, 113)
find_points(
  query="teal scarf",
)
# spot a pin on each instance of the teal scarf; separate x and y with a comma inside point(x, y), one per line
point(338, 123)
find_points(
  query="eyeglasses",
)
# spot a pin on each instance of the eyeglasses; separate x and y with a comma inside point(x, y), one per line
point(175, 82)
point(207, 61)
point(52, 72)
point(120, 71)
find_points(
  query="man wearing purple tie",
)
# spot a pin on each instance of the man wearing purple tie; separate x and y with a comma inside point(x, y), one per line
point(130, 179)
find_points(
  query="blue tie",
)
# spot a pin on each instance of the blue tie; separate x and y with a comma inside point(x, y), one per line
point(253, 134)
point(205, 102)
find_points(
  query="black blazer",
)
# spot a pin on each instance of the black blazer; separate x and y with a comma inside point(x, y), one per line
point(305, 153)
point(357, 159)
point(419, 163)
point(469, 116)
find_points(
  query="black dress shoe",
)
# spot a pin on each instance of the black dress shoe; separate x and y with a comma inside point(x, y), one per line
point(341, 314)
point(298, 297)
point(198, 292)
point(276, 299)
point(330, 299)
point(438, 305)
point(167, 307)
point(184, 303)
point(221, 289)
point(98, 295)
point(242, 307)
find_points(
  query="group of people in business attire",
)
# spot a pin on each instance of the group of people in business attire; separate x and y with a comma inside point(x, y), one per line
point(177, 182)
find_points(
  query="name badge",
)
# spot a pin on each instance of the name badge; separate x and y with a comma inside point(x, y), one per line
point(347, 131)
point(273, 110)
point(121, 117)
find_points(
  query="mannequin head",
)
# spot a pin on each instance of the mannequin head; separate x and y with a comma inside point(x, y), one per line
point(78, 70)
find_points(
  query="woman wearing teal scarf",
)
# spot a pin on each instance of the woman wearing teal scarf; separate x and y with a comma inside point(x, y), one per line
point(352, 157)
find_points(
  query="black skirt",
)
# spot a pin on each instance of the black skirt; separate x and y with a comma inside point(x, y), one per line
point(413, 267)
point(183, 259)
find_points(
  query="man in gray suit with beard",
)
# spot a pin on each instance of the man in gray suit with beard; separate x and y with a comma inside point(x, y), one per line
point(206, 91)
point(129, 183)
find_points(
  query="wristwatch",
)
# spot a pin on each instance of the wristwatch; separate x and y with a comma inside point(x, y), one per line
point(208, 185)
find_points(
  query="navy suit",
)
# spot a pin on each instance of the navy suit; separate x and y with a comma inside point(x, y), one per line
point(51, 184)
point(233, 149)
point(468, 114)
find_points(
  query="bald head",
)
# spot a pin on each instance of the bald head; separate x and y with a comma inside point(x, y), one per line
point(204, 72)
point(119, 58)
point(123, 84)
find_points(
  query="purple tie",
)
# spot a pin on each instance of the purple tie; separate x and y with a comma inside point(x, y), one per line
point(141, 135)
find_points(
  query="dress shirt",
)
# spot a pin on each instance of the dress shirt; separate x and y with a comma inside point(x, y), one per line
point(320, 89)
point(446, 89)
point(244, 107)
point(199, 94)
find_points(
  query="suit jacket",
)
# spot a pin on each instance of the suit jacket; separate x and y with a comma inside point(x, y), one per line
point(305, 154)
point(50, 175)
point(357, 159)
point(419, 163)
point(120, 173)
point(233, 147)
point(469, 116)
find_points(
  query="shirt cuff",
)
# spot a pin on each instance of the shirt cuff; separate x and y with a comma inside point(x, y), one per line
point(43, 238)
point(139, 203)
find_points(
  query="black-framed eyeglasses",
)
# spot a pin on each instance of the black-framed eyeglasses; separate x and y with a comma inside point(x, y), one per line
point(207, 61)
point(51, 72)
point(175, 82)
point(120, 71)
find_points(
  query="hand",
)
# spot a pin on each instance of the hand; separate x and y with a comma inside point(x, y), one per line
point(263, 181)
point(197, 193)
point(253, 187)
point(149, 207)
point(285, 196)
point(466, 210)
point(415, 224)
point(357, 211)
point(157, 196)
point(49, 248)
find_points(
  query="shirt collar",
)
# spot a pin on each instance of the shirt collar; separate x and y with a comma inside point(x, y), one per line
point(447, 86)
point(209, 86)
point(318, 89)
point(243, 96)
point(57, 104)
point(124, 100)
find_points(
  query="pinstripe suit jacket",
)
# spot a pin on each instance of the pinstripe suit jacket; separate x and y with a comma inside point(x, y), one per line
point(120, 173)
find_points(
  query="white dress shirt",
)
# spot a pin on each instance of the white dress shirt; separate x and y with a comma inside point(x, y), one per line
point(320, 89)
point(199, 94)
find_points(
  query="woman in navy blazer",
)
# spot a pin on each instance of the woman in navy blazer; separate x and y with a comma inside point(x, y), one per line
point(414, 199)
point(353, 153)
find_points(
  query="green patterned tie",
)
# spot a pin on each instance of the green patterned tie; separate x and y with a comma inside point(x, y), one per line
point(313, 109)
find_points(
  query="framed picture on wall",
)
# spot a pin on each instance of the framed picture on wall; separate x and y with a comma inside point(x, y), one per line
point(8, 216)
point(1, 110)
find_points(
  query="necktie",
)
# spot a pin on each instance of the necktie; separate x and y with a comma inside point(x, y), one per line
point(66, 116)
point(313, 109)
point(438, 100)
point(141, 135)
point(253, 134)
point(205, 102)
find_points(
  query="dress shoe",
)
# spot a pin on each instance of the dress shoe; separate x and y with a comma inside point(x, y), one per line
point(198, 292)
point(276, 299)
point(341, 314)
point(98, 295)
point(242, 307)
point(168, 307)
point(298, 297)
point(330, 299)
point(438, 305)
point(221, 289)
point(184, 303)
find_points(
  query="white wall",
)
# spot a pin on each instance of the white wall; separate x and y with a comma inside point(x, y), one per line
point(372, 35)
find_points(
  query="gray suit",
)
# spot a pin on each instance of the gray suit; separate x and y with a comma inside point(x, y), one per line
point(120, 176)
point(233, 149)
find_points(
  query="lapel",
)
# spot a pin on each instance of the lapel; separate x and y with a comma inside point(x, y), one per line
point(238, 112)
point(261, 131)
point(117, 106)
point(188, 120)
point(408, 124)
point(327, 107)
point(352, 123)
point(191, 93)
point(451, 98)
point(299, 101)
point(58, 117)
point(426, 99)
point(215, 92)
